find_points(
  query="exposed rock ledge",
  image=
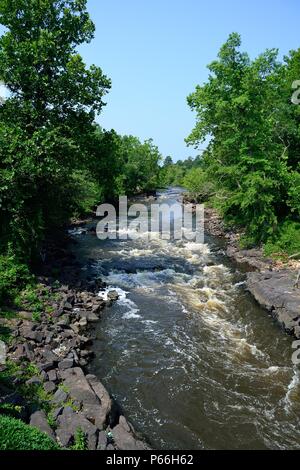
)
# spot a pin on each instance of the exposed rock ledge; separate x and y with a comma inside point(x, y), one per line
point(275, 291)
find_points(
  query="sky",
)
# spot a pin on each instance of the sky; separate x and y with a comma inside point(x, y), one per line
point(156, 52)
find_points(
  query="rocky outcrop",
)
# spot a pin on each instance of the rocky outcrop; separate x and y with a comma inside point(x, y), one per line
point(276, 291)
point(58, 347)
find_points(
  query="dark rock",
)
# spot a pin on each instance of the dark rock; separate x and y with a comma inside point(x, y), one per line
point(103, 397)
point(52, 376)
point(275, 290)
point(34, 381)
point(102, 441)
point(60, 396)
point(49, 387)
point(68, 424)
point(39, 421)
point(80, 390)
point(66, 364)
point(49, 356)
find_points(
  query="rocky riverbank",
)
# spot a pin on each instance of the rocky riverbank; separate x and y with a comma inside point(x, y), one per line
point(272, 283)
point(45, 380)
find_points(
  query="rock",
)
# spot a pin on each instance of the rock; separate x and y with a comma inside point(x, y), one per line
point(82, 322)
point(49, 356)
point(69, 423)
point(39, 421)
point(34, 381)
point(49, 387)
point(103, 397)
point(92, 318)
point(80, 390)
point(60, 396)
point(124, 438)
point(66, 364)
point(102, 441)
point(52, 376)
point(57, 412)
point(68, 306)
point(275, 291)
point(46, 366)
point(113, 295)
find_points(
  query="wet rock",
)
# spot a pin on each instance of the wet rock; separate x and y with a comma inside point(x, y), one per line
point(39, 421)
point(113, 295)
point(68, 424)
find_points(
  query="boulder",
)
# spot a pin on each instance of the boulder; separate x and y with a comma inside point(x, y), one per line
point(276, 291)
point(39, 421)
point(69, 423)
point(81, 391)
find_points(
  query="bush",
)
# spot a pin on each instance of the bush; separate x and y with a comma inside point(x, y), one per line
point(13, 274)
point(16, 435)
point(285, 242)
point(196, 181)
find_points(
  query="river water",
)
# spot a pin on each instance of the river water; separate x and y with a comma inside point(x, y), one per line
point(187, 353)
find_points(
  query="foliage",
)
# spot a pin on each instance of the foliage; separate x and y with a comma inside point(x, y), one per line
point(286, 241)
point(13, 275)
point(55, 161)
point(80, 441)
point(245, 109)
point(16, 435)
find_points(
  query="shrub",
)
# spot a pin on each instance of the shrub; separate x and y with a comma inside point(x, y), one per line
point(16, 435)
point(286, 241)
point(13, 274)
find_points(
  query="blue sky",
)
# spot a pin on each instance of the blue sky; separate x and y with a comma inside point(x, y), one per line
point(156, 51)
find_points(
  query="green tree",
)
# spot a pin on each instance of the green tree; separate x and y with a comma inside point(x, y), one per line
point(240, 109)
point(48, 119)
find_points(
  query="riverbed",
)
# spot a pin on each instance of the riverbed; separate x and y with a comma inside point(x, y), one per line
point(190, 357)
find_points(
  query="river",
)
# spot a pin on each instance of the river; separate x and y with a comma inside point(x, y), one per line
point(191, 358)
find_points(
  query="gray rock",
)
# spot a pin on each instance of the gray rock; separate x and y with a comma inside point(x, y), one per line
point(49, 356)
point(102, 441)
point(52, 376)
point(47, 366)
point(103, 397)
point(39, 421)
point(275, 291)
point(66, 364)
point(60, 396)
point(34, 381)
point(80, 390)
point(69, 423)
point(49, 387)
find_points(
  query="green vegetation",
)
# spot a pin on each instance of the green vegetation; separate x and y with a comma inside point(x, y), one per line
point(80, 441)
point(16, 435)
point(55, 161)
point(251, 164)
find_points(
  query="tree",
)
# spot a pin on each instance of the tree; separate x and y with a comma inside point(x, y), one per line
point(240, 109)
point(47, 121)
